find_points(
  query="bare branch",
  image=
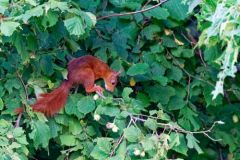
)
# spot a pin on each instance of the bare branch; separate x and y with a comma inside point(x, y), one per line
point(131, 13)
point(120, 140)
point(26, 95)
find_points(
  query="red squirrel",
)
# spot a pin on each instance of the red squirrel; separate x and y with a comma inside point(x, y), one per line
point(83, 70)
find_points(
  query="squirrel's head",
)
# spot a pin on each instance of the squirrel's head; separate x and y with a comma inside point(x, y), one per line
point(111, 80)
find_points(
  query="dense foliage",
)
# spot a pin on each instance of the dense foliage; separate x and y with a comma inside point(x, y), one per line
point(166, 104)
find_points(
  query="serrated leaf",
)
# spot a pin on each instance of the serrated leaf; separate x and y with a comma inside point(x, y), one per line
point(177, 9)
point(149, 143)
point(75, 127)
point(156, 93)
point(176, 102)
point(192, 142)
point(8, 27)
point(151, 124)
point(63, 6)
point(40, 134)
point(111, 111)
point(32, 2)
point(175, 74)
point(151, 31)
point(104, 144)
point(50, 19)
point(1, 104)
point(11, 84)
point(90, 19)
point(68, 140)
point(98, 154)
point(138, 69)
point(158, 13)
point(3, 6)
point(35, 12)
point(86, 105)
point(46, 64)
point(71, 107)
point(182, 148)
point(132, 134)
point(74, 26)
point(126, 92)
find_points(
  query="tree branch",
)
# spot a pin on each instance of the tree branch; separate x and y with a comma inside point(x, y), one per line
point(131, 13)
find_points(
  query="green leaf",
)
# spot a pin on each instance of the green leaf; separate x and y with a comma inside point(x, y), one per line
point(90, 19)
point(150, 143)
point(19, 135)
point(46, 64)
point(177, 9)
point(151, 124)
point(63, 6)
point(176, 102)
point(192, 142)
point(158, 13)
point(68, 140)
point(54, 128)
point(104, 144)
point(121, 151)
point(40, 134)
point(50, 19)
point(175, 74)
point(156, 93)
point(126, 92)
point(98, 154)
point(111, 111)
point(188, 117)
point(138, 69)
point(132, 134)
point(151, 31)
point(32, 2)
point(75, 127)
point(86, 105)
point(71, 107)
point(131, 4)
point(74, 26)
point(1, 104)
point(182, 148)
point(11, 84)
point(8, 27)
point(35, 12)
point(3, 6)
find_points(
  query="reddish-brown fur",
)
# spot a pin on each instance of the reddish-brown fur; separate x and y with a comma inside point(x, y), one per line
point(84, 70)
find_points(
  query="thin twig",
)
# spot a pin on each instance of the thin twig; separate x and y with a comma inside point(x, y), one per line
point(146, 3)
point(18, 120)
point(179, 129)
point(101, 95)
point(23, 84)
point(131, 13)
point(120, 140)
point(26, 95)
point(188, 88)
point(189, 74)
point(194, 42)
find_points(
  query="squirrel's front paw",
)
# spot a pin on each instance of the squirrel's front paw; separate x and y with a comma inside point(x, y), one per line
point(98, 89)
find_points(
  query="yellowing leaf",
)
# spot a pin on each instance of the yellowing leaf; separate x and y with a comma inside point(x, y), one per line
point(167, 32)
point(132, 82)
point(178, 42)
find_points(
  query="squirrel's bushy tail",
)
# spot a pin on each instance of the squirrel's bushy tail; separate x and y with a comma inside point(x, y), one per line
point(51, 103)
